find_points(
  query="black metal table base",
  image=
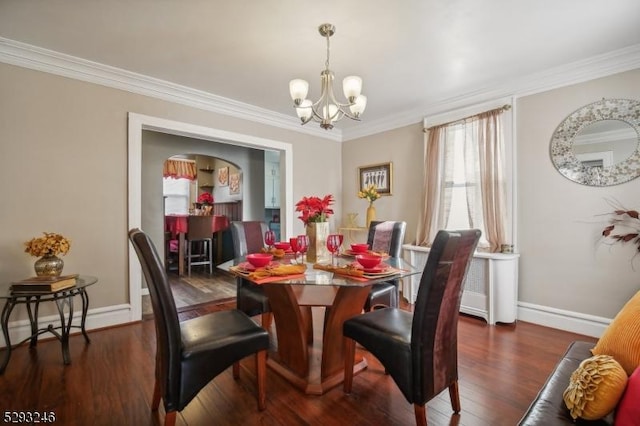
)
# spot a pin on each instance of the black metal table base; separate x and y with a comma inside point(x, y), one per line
point(64, 303)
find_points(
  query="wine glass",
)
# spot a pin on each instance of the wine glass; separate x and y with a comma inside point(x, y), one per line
point(340, 240)
point(333, 244)
point(303, 245)
point(269, 238)
point(293, 242)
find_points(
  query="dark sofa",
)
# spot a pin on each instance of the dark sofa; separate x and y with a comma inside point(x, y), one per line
point(548, 408)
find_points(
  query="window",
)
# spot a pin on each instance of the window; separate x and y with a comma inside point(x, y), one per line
point(462, 209)
point(465, 185)
point(458, 214)
point(176, 195)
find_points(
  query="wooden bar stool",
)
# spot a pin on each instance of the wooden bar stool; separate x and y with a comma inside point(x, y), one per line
point(199, 240)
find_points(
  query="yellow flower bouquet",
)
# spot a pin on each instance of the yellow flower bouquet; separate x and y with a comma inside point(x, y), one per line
point(50, 244)
point(370, 193)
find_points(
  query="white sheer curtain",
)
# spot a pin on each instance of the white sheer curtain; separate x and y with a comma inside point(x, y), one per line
point(465, 157)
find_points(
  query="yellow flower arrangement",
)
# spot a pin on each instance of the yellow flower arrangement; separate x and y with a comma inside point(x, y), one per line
point(50, 244)
point(370, 193)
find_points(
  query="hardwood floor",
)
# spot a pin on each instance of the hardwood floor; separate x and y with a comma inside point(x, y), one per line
point(110, 382)
point(199, 288)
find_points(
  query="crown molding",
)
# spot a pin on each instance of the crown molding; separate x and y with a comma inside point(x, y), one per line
point(610, 63)
point(37, 58)
point(28, 56)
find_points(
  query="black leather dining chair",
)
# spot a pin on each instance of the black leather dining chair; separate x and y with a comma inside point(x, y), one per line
point(387, 236)
point(189, 354)
point(248, 237)
point(420, 349)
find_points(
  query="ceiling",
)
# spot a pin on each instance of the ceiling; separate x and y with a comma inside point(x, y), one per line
point(415, 56)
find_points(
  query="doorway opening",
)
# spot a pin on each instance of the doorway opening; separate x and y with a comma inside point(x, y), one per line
point(139, 172)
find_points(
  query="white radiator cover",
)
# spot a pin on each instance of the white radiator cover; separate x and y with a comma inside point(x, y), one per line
point(490, 288)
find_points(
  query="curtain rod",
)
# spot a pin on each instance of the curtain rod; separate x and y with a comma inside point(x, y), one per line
point(503, 108)
point(185, 160)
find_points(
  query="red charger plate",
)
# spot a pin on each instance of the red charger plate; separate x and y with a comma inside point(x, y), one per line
point(383, 267)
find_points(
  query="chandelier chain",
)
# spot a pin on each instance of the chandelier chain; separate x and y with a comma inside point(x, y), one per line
point(326, 63)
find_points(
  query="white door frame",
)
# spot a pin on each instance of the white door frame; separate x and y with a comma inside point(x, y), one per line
point(140, 122)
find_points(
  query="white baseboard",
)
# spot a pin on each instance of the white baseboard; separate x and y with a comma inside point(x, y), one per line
point(96, 318)
point(575, 322)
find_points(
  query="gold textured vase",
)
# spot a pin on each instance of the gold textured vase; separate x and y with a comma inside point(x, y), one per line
point(371, 214)
point(48, 265)
point(317, 250)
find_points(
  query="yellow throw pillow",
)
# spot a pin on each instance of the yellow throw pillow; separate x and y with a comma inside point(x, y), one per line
point(621, 339)
point(595, 388)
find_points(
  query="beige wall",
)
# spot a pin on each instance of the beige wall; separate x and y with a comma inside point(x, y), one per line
point(403, 148)
point(564, 264)
point(63, 165)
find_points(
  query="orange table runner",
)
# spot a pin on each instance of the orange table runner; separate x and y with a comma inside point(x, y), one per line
point(355, 274)
point(281, 272)
point(271, 273)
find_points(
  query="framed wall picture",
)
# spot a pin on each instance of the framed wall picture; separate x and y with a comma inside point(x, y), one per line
point(234, 183)
point(380, 175)
point(223, 176)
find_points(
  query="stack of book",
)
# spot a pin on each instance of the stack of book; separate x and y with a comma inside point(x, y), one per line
point(44, 284)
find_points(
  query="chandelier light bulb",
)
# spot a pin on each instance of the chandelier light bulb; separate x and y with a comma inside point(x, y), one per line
point(358, 106)
point(298, 89)
point(304, 111)
point(332, 114)
point(352, 86)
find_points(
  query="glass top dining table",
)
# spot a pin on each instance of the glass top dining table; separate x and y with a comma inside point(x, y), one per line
point(315, 366)
point(322, 277)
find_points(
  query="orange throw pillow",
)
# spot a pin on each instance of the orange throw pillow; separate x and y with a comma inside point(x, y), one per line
point(621, 339)
point(595, 388)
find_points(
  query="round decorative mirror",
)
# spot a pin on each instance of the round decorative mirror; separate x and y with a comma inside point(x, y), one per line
point(599, 144)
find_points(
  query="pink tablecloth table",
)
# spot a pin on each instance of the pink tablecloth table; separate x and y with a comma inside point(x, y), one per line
point(178, 226)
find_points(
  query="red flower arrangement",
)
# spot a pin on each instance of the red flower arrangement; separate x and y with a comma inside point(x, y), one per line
point(205, 198)
point(315, 209)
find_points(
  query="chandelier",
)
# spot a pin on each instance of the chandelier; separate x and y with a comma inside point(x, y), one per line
point(327, 110)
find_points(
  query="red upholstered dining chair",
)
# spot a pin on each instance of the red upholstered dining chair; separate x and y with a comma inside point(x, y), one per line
point(170, 251)
point(420, 349)
point(189, 354)
point(388, 237)
point(248, 237)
